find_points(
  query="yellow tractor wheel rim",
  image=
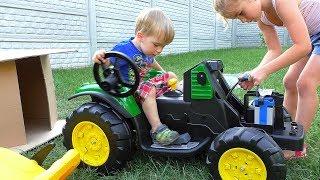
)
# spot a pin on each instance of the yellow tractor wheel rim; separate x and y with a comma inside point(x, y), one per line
point(91, 143)
point(240, 163)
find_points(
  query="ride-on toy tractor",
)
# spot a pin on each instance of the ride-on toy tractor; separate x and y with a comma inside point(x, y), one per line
point(241, 140)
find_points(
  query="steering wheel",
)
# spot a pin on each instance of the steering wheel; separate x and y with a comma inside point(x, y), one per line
point(112, 80)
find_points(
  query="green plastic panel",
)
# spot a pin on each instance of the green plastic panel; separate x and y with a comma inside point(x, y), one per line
point(199, 91)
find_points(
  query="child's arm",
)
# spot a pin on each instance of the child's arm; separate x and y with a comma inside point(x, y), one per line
point(156, 66)
point(298, 32)
point(274, 50)
point(272, 41)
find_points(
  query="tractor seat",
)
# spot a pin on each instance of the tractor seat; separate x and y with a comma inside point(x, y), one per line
point(175, 93)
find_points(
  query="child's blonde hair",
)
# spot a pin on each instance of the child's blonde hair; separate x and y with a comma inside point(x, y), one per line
point(153, 22)
point(221, 7)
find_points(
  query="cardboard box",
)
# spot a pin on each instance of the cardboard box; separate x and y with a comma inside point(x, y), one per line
point(28, 111)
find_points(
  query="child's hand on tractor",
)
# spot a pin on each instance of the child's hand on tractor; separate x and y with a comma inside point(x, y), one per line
point(253, 78)
point(99, 56)
point(245, 77)
point(246, 81)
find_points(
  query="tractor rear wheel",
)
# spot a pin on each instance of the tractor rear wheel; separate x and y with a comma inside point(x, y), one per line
point(245, 153)
point(101, 136)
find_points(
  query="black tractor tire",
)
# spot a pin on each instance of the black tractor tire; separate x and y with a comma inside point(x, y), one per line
point(114, 127)
point(252, 139)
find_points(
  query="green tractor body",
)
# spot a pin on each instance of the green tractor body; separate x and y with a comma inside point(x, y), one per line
point(220, 126)
point(127, 106)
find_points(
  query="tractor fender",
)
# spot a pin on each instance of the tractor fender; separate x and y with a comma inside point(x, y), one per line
point(106, 99)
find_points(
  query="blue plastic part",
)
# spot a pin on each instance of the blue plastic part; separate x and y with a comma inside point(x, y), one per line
point(264, 104)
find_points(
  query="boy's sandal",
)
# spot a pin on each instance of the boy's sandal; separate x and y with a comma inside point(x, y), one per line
point(297, 154)
point(164, 136)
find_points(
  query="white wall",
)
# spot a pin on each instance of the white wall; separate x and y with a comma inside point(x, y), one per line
point(88, 25)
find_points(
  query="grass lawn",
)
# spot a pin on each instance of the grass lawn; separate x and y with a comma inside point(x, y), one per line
point(146, 167)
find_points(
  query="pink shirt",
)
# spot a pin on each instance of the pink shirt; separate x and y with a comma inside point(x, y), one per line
point(310, 10)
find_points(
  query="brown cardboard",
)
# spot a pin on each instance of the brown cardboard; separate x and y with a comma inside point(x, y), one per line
point(27, 96)
point(12, 131)
point(13, 54)
point(38, 135)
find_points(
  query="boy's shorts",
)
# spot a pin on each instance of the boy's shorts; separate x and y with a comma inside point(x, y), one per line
point(315, 41)
point(159, 82)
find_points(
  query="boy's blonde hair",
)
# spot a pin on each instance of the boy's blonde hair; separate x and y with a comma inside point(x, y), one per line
point(153, 22)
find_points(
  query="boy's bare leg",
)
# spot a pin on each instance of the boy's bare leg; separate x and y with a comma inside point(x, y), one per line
point(291, 92)
point(307, 85)
point(150, 109)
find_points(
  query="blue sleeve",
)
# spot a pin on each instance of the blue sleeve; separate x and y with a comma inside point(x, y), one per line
point(121, 64)
point(149, 59)
point(115, 48)
point(152, 59)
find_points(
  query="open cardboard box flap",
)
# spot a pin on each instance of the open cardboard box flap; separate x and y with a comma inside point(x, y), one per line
point(28, 110)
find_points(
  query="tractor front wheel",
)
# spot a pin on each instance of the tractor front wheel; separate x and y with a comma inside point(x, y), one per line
point(245, 153)
point(100, 135)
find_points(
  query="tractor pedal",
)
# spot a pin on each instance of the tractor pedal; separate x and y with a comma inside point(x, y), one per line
point(183, 139)
point(189, 145)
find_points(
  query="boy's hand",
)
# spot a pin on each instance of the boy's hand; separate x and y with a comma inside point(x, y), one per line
point(98, 57)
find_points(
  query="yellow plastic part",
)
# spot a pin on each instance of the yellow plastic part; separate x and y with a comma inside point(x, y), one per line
point(63, 167)
point(14, 166)
point(241, 163)
point(91, 142)
point(172, 83)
